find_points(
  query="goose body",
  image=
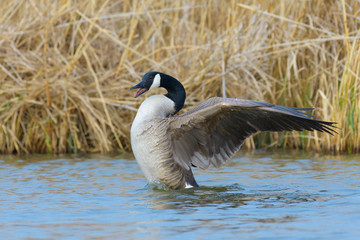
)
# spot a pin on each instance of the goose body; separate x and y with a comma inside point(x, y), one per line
point(152, 146)
point(166, 145)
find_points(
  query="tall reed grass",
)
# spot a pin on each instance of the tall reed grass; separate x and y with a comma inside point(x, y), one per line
point(66, 66)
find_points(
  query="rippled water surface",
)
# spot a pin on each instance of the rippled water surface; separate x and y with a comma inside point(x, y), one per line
point(271, 195)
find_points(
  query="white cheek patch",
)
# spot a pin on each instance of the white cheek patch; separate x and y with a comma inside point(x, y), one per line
point(156, 82)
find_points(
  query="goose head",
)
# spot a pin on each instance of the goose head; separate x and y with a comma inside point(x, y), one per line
point(149, 81)
point(176, 92)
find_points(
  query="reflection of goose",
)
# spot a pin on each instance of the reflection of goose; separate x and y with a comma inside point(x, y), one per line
point(167, 146)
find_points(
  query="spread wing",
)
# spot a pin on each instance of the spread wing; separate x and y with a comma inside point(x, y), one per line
point(214, 131)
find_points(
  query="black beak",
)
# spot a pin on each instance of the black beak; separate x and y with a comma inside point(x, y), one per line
point(141, 90)
point(139, 85)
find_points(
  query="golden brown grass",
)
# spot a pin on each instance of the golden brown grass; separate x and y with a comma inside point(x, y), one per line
point(66, 66)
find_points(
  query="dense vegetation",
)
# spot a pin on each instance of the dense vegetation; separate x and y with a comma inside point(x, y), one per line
point(66, 66)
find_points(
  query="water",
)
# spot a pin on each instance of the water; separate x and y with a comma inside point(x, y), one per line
point(271, 195)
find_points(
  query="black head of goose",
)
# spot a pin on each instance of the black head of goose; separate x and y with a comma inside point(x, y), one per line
point(166, 145)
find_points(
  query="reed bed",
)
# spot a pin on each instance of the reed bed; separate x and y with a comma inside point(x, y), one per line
point(66, 66)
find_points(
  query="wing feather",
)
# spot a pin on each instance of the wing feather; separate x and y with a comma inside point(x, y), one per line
point(212, 132)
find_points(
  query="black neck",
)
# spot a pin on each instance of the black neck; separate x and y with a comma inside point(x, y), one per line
point(176, 91)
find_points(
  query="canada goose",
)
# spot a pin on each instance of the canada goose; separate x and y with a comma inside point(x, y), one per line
point(166, 145)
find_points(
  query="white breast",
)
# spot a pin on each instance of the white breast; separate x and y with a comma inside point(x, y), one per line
point(148, 134)
point(154, 106)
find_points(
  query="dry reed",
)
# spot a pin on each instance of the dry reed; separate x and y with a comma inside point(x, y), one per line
point(66, 66)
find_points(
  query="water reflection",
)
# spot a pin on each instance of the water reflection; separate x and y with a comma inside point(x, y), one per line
point(223, 197)
point(161, 197)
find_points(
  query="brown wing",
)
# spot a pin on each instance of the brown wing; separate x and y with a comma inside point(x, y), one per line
point(214, 131)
